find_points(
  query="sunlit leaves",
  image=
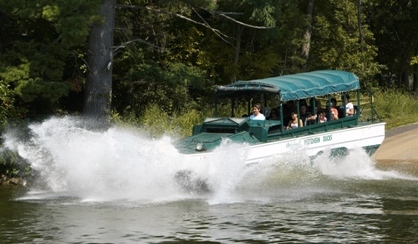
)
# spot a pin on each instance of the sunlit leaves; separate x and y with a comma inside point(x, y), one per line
point(336, 40)
point(414, 60)
point(51, 12)
point(265, 12)
point(32, 89)
point(45, 39)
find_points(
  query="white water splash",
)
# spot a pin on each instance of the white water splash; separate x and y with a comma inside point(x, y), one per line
point(124, 164)
point(117, 163)
point(357, 164)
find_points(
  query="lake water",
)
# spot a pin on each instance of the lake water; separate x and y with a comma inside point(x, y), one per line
point(118, 186)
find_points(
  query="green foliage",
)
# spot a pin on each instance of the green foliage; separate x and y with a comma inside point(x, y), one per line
point(396, 107)
point(42, 50)
point(71, 19)
point(7, 108)
point(33, 74)
point(264, 12)
point(206, 4)
point(12, 165)
point(158, 123)
point(28, 65)
point(33, 89)
point(394, 26)
point(414, 60)
point(163, 58)
point(336, 40)
point(168, 87)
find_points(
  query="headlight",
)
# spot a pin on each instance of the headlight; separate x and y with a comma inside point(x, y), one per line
point(199, 147)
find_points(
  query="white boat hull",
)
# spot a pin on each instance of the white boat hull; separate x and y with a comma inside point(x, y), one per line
point(370, 135)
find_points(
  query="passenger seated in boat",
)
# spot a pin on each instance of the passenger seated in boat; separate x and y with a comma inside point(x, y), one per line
point(294, 122)
point(304, 113)
point(334, 110)
point(274, 115)
point(331, 111)
point(322, 118)
point(312, 118)
point(266, 111)
point(349, 107)
point(288, 108)
point(257, 115)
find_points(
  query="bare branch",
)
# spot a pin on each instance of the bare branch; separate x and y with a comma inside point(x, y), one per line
point(204, 23)
point(198, 23)
point(218, 33)
point(244, 24)
point(221, 35)
point(229, 13)
point(141, 41)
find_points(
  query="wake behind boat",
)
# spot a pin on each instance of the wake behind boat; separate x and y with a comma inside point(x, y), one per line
point(355, 128)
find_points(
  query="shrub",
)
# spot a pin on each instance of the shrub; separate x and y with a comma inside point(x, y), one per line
point(396, 107)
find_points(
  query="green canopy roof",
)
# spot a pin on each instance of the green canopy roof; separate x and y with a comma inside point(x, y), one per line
point(296, 86)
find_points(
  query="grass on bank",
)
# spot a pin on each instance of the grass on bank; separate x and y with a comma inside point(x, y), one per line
point(396, 108)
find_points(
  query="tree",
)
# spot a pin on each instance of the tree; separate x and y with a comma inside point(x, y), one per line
point(336, 40)
point(394, 25)
point(40, 57)
point(157, 51)
point(173, 53)
point(98, 88)
point(306, 45)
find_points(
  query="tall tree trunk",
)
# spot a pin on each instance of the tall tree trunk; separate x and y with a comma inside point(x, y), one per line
point(237, 47)
point(405, 79)
point(306, 46)
point(415, 80)
point(98, 89)
point(360, 29)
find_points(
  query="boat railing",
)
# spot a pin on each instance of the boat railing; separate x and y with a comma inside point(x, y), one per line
point(346, 122)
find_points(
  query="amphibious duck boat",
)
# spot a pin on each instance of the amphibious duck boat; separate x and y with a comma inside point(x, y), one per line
point(266, 138)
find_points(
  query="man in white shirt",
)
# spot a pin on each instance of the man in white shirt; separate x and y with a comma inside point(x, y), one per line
point(349, 107)
point(257, 115)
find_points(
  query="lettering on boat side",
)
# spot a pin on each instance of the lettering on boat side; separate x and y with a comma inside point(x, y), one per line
point(312, 140)
point(293, 144)
point(327, 138)
point(309, 141)
point(318, 139)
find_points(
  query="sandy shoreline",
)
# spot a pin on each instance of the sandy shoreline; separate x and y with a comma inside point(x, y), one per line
point(400, 145)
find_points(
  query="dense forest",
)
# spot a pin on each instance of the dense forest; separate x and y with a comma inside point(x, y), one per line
point(105, 57)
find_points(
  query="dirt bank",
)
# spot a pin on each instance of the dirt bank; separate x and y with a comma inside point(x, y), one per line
point(400, 145)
